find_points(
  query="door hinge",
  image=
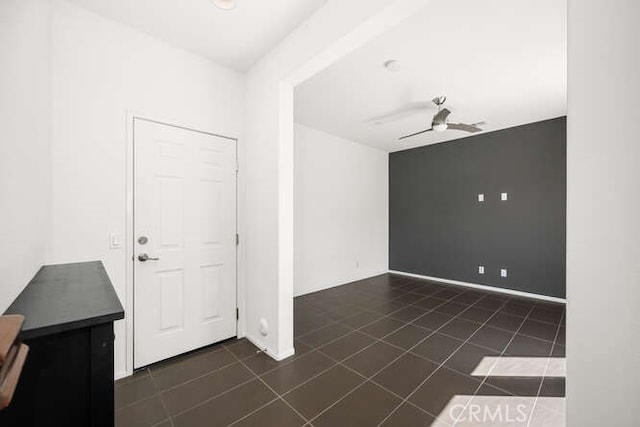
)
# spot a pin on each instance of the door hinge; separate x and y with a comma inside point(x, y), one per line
point(237, 314)
point(237, 239)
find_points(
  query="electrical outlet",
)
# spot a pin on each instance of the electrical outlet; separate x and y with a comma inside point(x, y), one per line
point(481, 197)
point(357, 264)
point(504, 196)
point(481, 269)
point(503, 272)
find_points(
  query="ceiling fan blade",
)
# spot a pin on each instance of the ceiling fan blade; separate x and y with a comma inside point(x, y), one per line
point(463, 127)
point(415, 134)
point(401, 113)
point(442, 115)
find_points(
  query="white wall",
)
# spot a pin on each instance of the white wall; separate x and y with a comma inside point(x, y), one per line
point(24, 142)
point(341, 211)
point(101, 70)
point(267, 154)
point(603, 226)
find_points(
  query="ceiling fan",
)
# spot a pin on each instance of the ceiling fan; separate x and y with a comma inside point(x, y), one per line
point(439, 122)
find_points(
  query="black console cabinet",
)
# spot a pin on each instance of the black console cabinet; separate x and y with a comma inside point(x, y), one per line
point(67, 379)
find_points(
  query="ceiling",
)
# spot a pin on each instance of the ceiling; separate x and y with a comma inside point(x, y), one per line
point(236, 38)
point(498, 61)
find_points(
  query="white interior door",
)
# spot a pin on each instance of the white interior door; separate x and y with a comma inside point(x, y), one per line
point(185, 224)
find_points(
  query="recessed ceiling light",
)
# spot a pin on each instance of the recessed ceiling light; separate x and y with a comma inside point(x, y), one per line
point(391, 65)
point(225, 4)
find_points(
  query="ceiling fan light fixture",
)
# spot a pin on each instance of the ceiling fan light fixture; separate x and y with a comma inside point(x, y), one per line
point(225, 4)
point(439, 122)
point(440, 127)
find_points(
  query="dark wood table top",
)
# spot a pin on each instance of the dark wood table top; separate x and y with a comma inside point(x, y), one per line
point(66, 297)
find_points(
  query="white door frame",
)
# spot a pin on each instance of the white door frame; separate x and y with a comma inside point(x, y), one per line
point(129, 320)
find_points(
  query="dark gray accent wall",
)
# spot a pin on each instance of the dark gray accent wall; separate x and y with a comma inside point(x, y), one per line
point(438, 228)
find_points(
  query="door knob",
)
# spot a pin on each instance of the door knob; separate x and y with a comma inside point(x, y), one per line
point(145, 257)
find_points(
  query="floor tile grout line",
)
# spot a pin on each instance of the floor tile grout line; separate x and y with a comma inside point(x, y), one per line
point(356, 314)
point(254, 377)
point(189, 356)
point(491, 369)
point(164, 406)
point(338, 401)
point(331, 323)
point(162, 422)
point(521, 333)
point(389, 315)
point(257, 377)
point(367, 379)
point(209, 399)
point(406, 399)
point(405, 286)
point(401, 355)
point(360, 329)
point(190, 380)
point(514, 334)
point(139, 400)
point(131, 380)
point(502, 353)
point(370, 309)
point(301, 337)
point(546, 368)
point(381, 339)
point(228, 366)
point(432, 332)
point(248, 414)
point(376, 338)
point(279, 396)
point(402, 282)
point(144, 399)
point(484, 296)
point(363, 309)
point(405, 350)
point(371, 380)
point(378, 371)
point(451, 299)
point(402, 349)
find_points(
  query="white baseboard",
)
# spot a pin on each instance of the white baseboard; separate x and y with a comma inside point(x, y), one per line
point(284, 354)
point(482, 287)
point(340, 282)
point(121, 374)
point(277, 357)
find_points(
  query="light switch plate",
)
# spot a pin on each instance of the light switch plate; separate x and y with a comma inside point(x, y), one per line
point(481, 197)
point(504, 196)
point(503, 272)
point(115, 240)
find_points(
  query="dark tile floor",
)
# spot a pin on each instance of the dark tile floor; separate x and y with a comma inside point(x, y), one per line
point(388, 351)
